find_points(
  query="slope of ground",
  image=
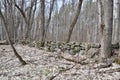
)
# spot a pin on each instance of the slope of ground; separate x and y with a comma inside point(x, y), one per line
point(42, 65)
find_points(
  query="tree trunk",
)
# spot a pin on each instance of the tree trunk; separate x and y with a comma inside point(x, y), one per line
point(28, 18)
point(10, 42)
point(101, 24)
point(118, 22)
point(49, 18)
point(74, 20)
point(107, 35)
point(42, 4)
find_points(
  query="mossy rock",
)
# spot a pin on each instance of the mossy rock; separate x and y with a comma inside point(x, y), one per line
point(82, 52)
point(73, 42)
point(87, 46)
point(24, 42)
point(33, 44)
point(117, 60)
point(67, 47)
point(76, 49)
point(73, 52)
point(40, 44)
point(77, 44)
point(52, 48)
point(58, 44)
point(95, 45)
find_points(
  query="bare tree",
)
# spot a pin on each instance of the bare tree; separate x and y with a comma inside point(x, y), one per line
point(118, 22)
point(28, 18)
point(101, 23)
point(42, 17)
point(74, 20)
point(107, 35)
point(49, 18)
point(8, 37)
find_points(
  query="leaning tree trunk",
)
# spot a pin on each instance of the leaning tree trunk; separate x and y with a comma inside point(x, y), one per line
point(74, 20)
point(10, 42)
point(107, 35)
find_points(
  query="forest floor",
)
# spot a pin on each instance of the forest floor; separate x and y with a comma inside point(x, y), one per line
point(42, 65)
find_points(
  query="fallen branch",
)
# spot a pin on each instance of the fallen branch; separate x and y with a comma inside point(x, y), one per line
point(61, 71)
point(4, 42)
point(110, 70)
point(82, 62)
point(75, 61)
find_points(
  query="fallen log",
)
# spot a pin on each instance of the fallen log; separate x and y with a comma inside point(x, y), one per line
point(4, 42)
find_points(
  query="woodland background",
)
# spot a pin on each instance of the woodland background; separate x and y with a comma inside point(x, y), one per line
point(24, 21)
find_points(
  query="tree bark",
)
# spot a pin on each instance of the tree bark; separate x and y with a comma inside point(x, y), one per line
point(101, 24)
point(74, 21)
point(107, 35)
point(49, 18)
point(42, 17)
point(118, 22)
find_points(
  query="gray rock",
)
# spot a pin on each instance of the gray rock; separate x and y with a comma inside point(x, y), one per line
point(82, 52)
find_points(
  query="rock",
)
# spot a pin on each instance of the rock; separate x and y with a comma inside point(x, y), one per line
point(82, 52)
point(47, 49)
point(67, 47)
point(24, 42)
point(92, 52)
point(117, 60)
point(33, 44)
point(39, 44)
point(95, 45)
point(72, 52)
point(115, 46)
point(77, 49)
point(52, 48)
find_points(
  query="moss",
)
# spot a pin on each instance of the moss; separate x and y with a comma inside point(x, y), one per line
point(73, 52)
point(117, 60)
point(40, 44)
point(47, 72)
point(96, 60)
point(88, 46)
point(60, 68)
point(24, 42)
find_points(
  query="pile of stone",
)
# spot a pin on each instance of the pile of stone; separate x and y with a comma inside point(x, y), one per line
point(72, 47)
